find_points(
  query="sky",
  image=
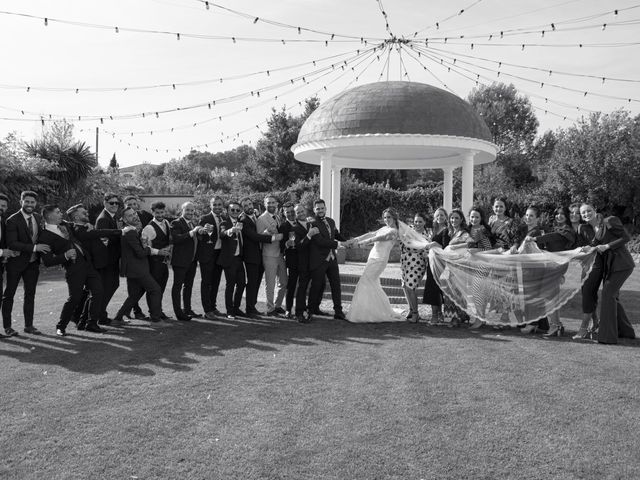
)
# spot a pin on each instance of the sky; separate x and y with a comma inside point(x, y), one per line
point(78, 67)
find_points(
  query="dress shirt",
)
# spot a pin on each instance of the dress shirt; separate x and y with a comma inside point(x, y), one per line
point(218, 221)
point(149, 233)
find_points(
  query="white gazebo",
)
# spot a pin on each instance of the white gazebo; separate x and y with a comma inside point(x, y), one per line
point(394, 125)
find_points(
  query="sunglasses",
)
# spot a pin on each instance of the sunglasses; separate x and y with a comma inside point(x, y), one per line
point(235, 209)
point(113, 203)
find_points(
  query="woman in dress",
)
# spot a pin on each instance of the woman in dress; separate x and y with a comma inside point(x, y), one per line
point(612, 267)
point(503, 228)
point(479, 240)
point(414, 264)
point(370, 303)
point(459, 236)
point(432, 294)
point(563, 237)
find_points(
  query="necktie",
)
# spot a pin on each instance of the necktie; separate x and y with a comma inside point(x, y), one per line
point(31, 229)
point(326, 223)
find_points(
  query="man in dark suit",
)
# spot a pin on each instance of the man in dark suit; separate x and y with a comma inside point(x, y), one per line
point(251, 254)
point(209, 248)
point(80, 229)
point(106, 254)
point(135, 266)
point(288, 247)
point(67, 251)
point(157, 235)
point(323, 261)
point(230, 259)
point(303, 235)
point(145, 217)
point(22, 230)
point(5, 253)
point(184, 233)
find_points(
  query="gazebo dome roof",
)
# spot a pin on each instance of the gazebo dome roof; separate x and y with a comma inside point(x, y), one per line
point(405, 108)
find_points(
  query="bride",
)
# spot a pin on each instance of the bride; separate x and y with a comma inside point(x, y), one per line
point(370, 303)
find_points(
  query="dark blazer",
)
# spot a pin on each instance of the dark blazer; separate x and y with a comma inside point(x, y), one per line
point(183, 244)
point(251, 241)
point(562, 238)
point(322, 243)
point(19, 238)
point(290, 254)
point(145, 217)
point(106, 255)
point(617, 257)
point(135, 257)
point(206, 250)
point(229, 243)
point(59, 246)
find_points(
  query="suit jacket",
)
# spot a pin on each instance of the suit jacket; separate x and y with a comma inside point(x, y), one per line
point(617, 257)
point(184, 247)
point(19, 238)
point(206, 250)
point(263, 223)
point(299, 256)
point(322, 243)
point(145, 217)
point(3, 233)
point(251, 241)
point(106, 255)
point(59, 245)
point(135, 257)
point(229, 243)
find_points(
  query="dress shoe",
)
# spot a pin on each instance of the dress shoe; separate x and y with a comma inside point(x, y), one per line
point(239, 313)
point(279, 311)
point(288, 315)
point(301, 318)
point(183, 318)
point(60, 332)
point(104, 321)
point(231, 316)
point(339, 316)
point(272, 313)
point(118, 322)
point(10, 332)
point(210, 315)
point(95, 329)
point(164, 316)
point(216, 312)
point(192, 314)
point(140, 316)
point(32, 330)
point(320, 313)
point(81, 326)
point(254, 312)
point(155, 319)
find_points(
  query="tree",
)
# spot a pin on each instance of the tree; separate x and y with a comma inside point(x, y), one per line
point(598, 160)
point(70, 162)
point(113, 164)
point(273, 166)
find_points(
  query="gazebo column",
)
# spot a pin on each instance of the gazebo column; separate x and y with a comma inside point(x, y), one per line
point(448, 189)
point(335, 194)
point(467, 182)
point(326, 164)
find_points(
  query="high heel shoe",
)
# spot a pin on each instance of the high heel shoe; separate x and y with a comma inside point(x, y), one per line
point(555, 331)
point(582, 334)
point(476, 325)
point(529, 329)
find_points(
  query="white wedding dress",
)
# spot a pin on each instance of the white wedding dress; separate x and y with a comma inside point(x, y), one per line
point(370, 304)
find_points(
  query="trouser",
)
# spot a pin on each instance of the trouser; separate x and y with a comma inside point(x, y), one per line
point(110, 278)
point(292, 283)
point(210, 274)
point(254, 277)
point(590, 289)
point(136, 287)
point(274, 268)
point(234, 277)
point(182, 285)
point(614, 322)
point(160, 273)
point(76, 284)
point(304, 278)
point(29, 275)
point(330, 269)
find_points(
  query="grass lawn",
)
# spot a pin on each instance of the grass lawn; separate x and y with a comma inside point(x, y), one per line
point(274, 399)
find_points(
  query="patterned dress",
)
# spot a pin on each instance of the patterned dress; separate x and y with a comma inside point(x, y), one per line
point(452, 313)
point(414, 264)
